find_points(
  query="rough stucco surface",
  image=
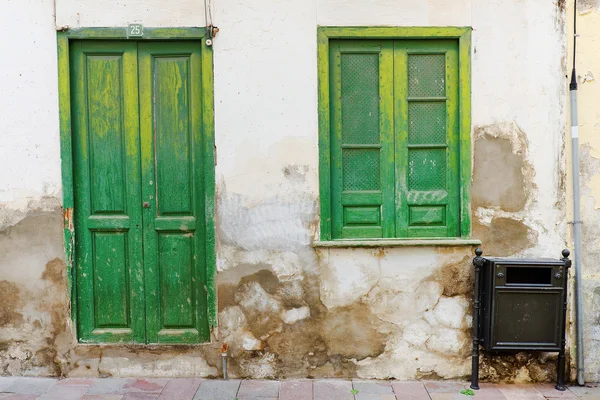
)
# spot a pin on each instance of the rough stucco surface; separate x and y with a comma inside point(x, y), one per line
point(286, 309)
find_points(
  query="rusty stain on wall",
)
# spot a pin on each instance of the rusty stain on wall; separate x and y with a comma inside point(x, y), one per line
point(504, 236)
point(10, 302)
point(501, 147)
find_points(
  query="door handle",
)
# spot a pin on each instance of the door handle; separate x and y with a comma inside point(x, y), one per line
point(146, 204)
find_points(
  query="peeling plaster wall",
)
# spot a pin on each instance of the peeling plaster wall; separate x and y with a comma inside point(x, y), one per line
point(588, 68)
point(286, 309)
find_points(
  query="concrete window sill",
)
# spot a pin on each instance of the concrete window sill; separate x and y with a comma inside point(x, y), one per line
point(397, 243)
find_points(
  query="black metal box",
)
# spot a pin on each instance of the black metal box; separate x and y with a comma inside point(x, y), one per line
point(522, 304)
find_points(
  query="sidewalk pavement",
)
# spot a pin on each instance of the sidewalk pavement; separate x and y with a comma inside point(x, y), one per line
point(22, 388)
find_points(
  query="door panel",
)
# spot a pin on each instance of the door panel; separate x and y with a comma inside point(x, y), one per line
point(139, 192)
point(172, 184)
point(108, 233)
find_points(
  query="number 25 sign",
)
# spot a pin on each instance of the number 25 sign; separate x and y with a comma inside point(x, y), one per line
point(135, 30)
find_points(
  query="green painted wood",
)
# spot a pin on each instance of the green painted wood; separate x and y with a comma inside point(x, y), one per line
point(121, 33)
point(402, 215)
point(209, 162)
point(66, 156)
point(426, 77)
point(362, 215)
point(405, 242)
point(144, 275)
point(465, 145)
point(173, 185)
point(362, 154)
point(417, 150)
point(325, 179)
point(392, 32)
point(453, 150)
point(106, 188)
point(453, 155)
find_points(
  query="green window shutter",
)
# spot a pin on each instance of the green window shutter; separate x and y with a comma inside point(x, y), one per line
point(427, 138)
point(362, 173)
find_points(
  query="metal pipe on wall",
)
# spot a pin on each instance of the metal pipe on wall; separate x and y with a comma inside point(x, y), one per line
point(576, 210)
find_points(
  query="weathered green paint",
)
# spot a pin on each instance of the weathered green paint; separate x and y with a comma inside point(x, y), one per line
point(392, 32)
point(172, 165)
point(430, 215)
point(64, 92)
point(324, 136)
point(464, 88)
point(362, 157)
point(111, 226)
point(426, 150)
point(108, 217)
point(434, 242)
point(121, 33)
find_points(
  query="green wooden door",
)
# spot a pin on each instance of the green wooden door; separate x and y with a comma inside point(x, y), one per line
point(139, 197)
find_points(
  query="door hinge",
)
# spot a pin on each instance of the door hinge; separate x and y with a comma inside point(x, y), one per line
point(68, 218)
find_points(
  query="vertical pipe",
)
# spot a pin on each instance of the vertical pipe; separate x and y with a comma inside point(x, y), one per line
point(560, 365)
point(577, 231)
point(224, 359)
point(477, 263)
point(576, 208)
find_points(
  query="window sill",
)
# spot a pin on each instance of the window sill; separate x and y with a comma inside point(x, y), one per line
point(396, 242)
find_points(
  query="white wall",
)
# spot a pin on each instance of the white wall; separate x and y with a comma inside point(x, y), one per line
point(265, 83)
point(29, 136)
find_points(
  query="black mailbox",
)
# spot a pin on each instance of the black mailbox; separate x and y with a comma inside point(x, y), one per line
point(520, 304)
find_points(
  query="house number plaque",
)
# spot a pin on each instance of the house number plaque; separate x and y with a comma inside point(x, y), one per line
point(135, 30)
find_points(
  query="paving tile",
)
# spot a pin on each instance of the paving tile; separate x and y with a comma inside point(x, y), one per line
point(141, 396)
point(549, 391)
point(6, 381)
point(76, 382)
point(375, 396)
point(179, 389)
point(30, 385)
point(488, 391)
point(449, 396)
point(146, 385)
point(410, 391)
point(445, 387)
point(372, 387)
point(250, 389)
point(217, 390)
point(102, 397)
point(587, 392)
point(64, 392)
point(296, 390)
point(110, 386)
point(333, 389)
point(520, 392)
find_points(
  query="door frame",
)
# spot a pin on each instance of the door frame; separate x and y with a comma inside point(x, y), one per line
point(64, 38)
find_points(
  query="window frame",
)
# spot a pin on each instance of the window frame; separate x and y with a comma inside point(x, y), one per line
point(463, 35)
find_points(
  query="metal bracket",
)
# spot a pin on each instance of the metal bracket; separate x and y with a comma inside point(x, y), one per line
point(211, 32)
